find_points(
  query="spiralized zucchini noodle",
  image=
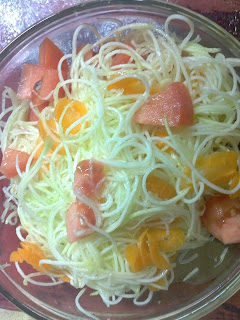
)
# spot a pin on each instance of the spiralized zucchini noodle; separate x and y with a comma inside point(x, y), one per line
point(42, 195)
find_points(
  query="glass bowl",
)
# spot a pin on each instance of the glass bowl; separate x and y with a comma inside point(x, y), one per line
point(191, 299)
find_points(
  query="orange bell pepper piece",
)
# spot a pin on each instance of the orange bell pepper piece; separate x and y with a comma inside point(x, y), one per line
point(132, 86)
point(167, 241)
point(161, 145)
point(52, 127)
point(74, 112)
point(218, 167)
point(144, 249)
point(133, 257)
point(162, 188)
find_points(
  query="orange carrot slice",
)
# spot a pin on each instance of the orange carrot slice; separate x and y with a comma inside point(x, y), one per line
point(32, 254)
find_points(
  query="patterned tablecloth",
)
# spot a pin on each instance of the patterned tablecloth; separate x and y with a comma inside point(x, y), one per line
point(18, 15)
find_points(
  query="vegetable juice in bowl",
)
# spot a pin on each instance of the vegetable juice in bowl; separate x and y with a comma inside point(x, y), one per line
point(115, 152)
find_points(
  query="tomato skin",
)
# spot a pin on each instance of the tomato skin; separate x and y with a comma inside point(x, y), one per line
point(74, 223)
point(32, 116)
point(122, 58)
point(89, 178)
point(31, 75)
point(48, 83)
point(50, 54)
point(39, 104)
point(8, 164)
point(222, 218)
point(173, 103)
point(88, 55)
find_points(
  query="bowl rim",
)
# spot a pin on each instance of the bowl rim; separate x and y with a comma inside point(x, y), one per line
point(217, 296)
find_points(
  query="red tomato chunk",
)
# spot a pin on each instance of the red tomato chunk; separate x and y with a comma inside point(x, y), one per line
point(9, 162)
point(122, 58)
point(31, 75)
point(76, 218)
point(222, 218)
point(88, 55)
point(89, 178)
point(173, 103)
point(50, 54)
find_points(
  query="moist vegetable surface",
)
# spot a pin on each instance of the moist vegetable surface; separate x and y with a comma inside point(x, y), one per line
point(122, 154)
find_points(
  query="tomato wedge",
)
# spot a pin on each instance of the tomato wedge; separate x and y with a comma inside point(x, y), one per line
point(32, 115)
point(222, 218)
point(9, 162)
point(31, 75)
point(122, 58)
point(75, 220)
point(173, 103)
point(89, 178)
point(50, 54)
point(88, 55)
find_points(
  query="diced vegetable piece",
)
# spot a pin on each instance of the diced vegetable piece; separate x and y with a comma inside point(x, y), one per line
point(36, 100)
point(161, 145)
point(40, 144)
point(50, 54)
point(132, 86)
point(222, 218)
point(52, 127)
point(233, 183)
point(74, 112)
point(133, 257)
point(30, 75)
point(144, 249)
point(151, 245)
point(32, 254)
point(65, 279)
point(121, 58)
point(156, 256)
point(160, 282)
point(9, 162)
point(75, 220)
point(162, 188)
point(49, 82)
point(32, 115)
point(89, 178)
point(167, 241)
point(88, 55)
point(173, 103)
point(218, 167)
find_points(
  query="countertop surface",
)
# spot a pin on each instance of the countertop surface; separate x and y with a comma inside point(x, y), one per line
point(18, 15)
